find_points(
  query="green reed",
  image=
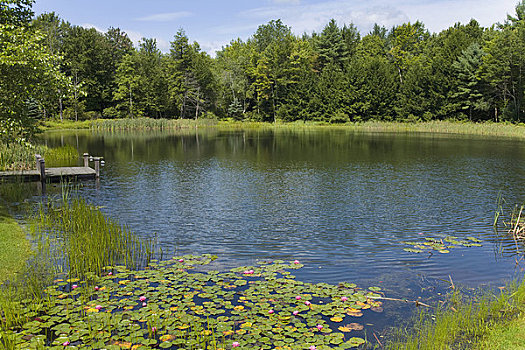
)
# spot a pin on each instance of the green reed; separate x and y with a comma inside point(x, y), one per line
point(148, 124)
point(60, 156)
point(83, 240)
point(16, 156)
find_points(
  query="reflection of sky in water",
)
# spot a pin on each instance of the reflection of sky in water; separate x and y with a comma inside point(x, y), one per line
point(339, 202)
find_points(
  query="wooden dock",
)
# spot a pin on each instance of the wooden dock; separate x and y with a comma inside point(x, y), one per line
point(51, 174)
point(43, 174)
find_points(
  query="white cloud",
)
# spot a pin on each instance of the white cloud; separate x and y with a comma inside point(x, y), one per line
point(211, 47)
point(435, 14)
point(293, 2)
point(165, 17)
point(89, 25)
point(136, 37)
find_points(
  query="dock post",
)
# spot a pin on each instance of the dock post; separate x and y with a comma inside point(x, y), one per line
point(42, 168)
point(97, 167)
point(86, 159)
point(37, 159)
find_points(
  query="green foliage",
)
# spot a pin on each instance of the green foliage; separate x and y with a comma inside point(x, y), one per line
point(28, 76)
point(15, 12)
point(403, 74)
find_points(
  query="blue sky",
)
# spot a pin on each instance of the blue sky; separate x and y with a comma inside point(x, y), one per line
point(214, 23)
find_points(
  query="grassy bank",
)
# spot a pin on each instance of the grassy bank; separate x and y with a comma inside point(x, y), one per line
point(438, 127)
point(14, 247)
point(468, 323)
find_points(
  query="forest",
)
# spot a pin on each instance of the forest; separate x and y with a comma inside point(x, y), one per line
point(50, 68)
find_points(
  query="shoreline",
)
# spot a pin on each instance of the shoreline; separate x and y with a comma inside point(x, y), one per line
point(432, 127)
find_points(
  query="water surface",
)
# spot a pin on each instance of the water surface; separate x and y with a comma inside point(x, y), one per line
point(337, 200)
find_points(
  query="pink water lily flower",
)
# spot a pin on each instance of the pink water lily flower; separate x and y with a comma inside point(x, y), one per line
point(110, 273)
point(298, 297)
point(296, 262)
point(74, 286)
point(98, 307)
point(97, 288)
point(307, 303)
point(319, 327)
point(181, 260)
point(271, 312)
point(249, 272)
point(235, 344)
point(295, 313)
point(344, 298)
point(66, 343)
point(153, 329)
point(313, 347)
point(144, 304)
point(142, 298)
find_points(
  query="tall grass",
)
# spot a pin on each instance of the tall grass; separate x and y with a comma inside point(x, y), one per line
point(149, 124)
point(16, 156)
point(432, 127)
point(83, 240)
point(461, 322)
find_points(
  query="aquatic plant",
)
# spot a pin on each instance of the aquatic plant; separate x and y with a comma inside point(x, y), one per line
point(442, 245)
point(191, 309)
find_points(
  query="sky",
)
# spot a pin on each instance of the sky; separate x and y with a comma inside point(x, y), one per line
point(213, 24)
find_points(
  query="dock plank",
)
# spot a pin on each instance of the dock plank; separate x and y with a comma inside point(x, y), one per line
point(52, 174)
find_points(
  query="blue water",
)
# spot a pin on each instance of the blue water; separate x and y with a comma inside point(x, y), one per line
point(338, 201)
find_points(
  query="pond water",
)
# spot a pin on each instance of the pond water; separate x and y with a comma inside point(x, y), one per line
point(339, 201)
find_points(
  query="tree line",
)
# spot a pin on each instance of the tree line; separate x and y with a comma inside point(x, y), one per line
point(51, 68)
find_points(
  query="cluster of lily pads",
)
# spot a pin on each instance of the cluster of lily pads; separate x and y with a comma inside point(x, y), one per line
point(442, 245)
point(170, 306)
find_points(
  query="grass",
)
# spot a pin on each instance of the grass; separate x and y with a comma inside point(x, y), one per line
point(66, 124)
point(15, 249)
point(437, 127)
point(466, 322)
point(505, 336)
point(83, 240)
point(22, 157)
point(149, 124)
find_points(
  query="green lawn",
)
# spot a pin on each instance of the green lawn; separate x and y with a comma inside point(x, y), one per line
point(14, 246)
point(505, 336)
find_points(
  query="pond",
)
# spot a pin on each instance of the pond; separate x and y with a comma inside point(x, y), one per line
point(340, 201)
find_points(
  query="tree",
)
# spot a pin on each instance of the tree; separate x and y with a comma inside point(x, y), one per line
point(502, 69)
point(88, 55)
point(233, 63)
point(191, 80)
point(406, 45)
point(468, 94)
point(142, 88)
point(331, 46)
point(28, 72)
point(16, 12)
